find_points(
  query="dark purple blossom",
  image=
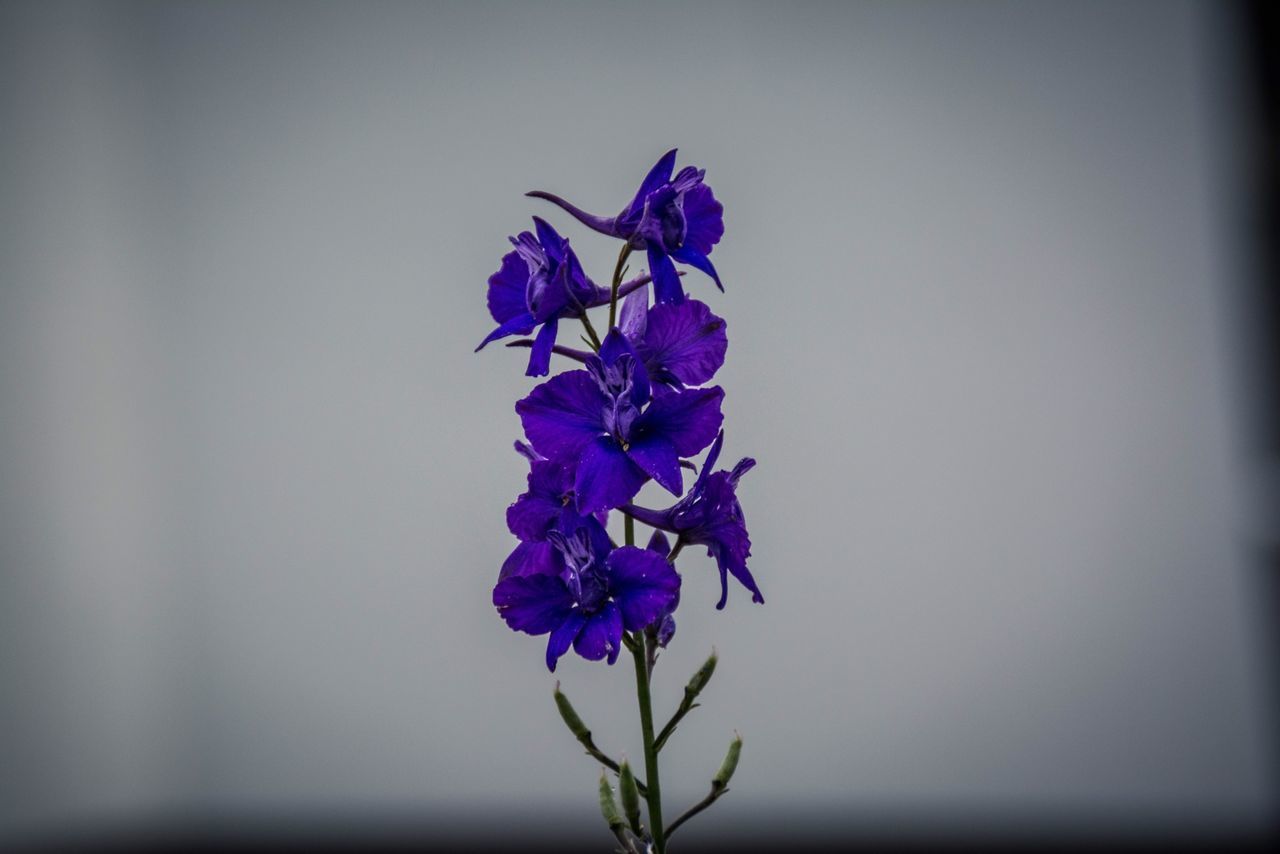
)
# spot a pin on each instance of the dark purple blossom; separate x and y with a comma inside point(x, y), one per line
point(680, 344)
point(710, 515)
point(605, 424)
point(538, 283)
point(583, 592)
point(670, 217)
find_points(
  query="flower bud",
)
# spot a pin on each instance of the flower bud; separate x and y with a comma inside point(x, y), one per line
point(700, 679)
point(570, 717)
point(630, 796)
point(609, 807)
point(730, 764)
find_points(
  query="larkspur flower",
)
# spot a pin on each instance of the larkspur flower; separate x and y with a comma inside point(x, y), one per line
point(605, 423)
point(710, 515)
point(680, 344)
point(584, 592)
point(669, 217)
point(537, 284)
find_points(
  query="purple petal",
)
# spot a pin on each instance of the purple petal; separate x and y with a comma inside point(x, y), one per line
point(709, 464)
point(634, 316)
point(659, 543)
point(552, 243)
point(613, 348)
point(658, 175)
point(685, 340)
point(744, 465)
point(540, 355)
point(704, 219)
point(521, 324)
point(693, 257)
point(666, 284)
point(531, 558)
point(606, 477)
point(731, 546)
point(558, 643)
point(657, 457)
point(591, 221)
point(507, 287)
point(643, 584)
point(563, 414)
point(540, 507)
point(535, 604)
point(528, 453)
point(690, 418)
point(602, 635)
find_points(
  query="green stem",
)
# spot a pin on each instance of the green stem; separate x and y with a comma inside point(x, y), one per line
point(617, 280)
point(654, 795)
point(591, 330)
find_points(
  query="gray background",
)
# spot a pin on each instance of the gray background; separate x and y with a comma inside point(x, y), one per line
point(977, 261)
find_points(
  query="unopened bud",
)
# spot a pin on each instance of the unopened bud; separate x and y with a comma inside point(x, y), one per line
point(570, 717)
point(630, 796)
point(609, 807)
point(700, 679)
point(730, 764)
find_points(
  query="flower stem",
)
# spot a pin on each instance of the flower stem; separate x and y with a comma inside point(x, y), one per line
point(654, 795)
point(617, 281)
point(591, 330)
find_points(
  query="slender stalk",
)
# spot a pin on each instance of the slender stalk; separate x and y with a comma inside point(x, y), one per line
point(617, 281)
point(654, 795)
point(701, 805)
point(591, 330)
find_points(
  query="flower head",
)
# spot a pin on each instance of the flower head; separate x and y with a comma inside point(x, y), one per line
point(680, 343)
point(582, 591)
point(538, 283)
point(606, 425)
point(710, 515)
point(669, 217)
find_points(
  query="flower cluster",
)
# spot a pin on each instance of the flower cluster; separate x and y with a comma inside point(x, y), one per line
point(635, 407)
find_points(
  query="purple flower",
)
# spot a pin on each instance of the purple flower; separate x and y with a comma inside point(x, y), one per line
point(538, 283)
point(710, 515)
point(584, 592)
point(680, 344)
point(605, 424)
point(670, 218)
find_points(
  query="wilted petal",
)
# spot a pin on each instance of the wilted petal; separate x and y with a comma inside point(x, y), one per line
point(643, 584)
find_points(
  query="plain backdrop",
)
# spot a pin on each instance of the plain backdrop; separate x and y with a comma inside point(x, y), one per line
point(977, 262)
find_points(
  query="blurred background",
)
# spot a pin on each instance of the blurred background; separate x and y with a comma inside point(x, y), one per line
point(1002, 338)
